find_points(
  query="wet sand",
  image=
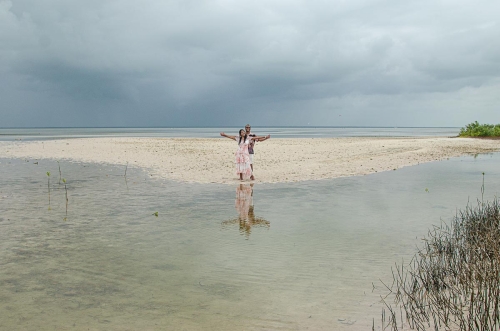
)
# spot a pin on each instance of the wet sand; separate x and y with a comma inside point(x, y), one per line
point(211, 160)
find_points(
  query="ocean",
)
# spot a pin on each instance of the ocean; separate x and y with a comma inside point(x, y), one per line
point(275, 132)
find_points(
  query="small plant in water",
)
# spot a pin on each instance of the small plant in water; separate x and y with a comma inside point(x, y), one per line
point(66, 189)
point(48, 185)
point(155, 213)
point(125, 176)
point(482, 190)
point(60, 175)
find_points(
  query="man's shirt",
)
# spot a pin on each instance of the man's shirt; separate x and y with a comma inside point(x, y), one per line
point(251, 144)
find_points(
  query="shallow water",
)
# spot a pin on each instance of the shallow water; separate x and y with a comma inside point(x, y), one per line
point(307, 257)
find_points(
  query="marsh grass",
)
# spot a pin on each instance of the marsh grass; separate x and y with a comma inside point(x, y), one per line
point(453, 282)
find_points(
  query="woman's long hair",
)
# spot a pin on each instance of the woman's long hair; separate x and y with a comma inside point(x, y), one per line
point(244, 139)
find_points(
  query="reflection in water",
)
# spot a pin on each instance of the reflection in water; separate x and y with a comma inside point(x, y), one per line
point(245, 208)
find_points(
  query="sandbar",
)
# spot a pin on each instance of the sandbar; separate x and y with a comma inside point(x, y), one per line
point(211, 160)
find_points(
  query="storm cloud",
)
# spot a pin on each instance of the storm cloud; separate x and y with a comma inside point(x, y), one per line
point(218, 63)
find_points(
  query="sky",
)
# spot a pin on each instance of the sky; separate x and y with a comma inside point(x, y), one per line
point(152, 63)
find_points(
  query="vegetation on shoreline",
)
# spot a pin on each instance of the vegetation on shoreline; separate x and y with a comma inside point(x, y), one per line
point(453, 282)
point(475, 129)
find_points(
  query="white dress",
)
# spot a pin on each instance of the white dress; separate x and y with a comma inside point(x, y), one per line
point(243, 159)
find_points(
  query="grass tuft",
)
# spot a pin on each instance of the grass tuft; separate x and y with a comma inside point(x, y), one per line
point(453, 282)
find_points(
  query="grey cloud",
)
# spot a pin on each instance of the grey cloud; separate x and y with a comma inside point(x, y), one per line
point(77, 82)
point(187, 62)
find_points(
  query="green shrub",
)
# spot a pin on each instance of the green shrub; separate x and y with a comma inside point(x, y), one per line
point(475, 129)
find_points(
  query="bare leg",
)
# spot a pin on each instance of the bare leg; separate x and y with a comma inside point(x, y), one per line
point(252, 177)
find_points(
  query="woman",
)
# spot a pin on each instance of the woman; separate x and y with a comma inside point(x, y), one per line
point(242, 161)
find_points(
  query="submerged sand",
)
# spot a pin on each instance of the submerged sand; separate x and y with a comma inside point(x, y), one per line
point(211, 160)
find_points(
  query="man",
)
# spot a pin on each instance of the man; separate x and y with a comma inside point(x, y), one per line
point(251, 145)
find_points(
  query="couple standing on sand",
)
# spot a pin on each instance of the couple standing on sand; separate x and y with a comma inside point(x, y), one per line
point(244, 154)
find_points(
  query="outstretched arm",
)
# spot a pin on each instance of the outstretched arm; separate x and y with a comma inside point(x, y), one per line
point(227, 136)
point(262, 138)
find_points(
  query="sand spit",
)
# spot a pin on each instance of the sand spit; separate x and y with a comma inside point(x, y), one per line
point(211, 160)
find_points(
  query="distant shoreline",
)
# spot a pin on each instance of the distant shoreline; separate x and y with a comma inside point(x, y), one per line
point(211, 160)
point(229, 126)
point(26, 134)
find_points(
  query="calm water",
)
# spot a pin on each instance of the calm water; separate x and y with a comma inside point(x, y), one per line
point(305, 256)
point(281, 132)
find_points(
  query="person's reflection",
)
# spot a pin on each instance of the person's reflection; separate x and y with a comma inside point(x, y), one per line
point(245, 208)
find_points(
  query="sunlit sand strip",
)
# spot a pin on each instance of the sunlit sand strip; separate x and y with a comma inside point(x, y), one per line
point(211, 160)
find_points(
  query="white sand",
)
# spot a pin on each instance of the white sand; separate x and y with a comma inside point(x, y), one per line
point(276, 160)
